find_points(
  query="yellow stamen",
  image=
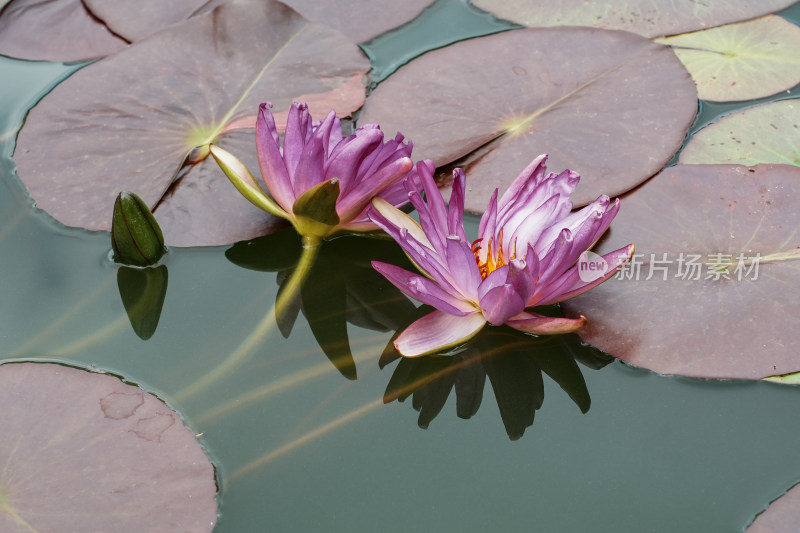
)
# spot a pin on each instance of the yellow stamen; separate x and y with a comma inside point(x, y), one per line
point(493, 260)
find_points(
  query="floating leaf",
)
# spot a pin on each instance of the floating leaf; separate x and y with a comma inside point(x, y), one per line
point(136, 20)
point(360, 20)
point(54, 30)
point(612, 106)
point(721, 246)
point(782, 514)
point(742, 61)
point(645, 17)
point(786, 379)
point(142, 119)
point(86, 452)
point(769, 133)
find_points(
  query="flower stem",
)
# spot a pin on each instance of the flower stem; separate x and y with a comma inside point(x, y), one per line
point(289, 292)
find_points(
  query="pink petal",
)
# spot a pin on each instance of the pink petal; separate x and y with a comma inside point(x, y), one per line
point(545, 325)
point(273, 168)
point(437, 332)
point(571, 285)
point(298, 131)
point(424, 290)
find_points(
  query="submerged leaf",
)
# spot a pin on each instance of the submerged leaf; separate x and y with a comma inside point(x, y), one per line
point(767, 133)
point(85, 452)
point(143, 119)
point(742, 61)
point(710, 290)
point(612, 106)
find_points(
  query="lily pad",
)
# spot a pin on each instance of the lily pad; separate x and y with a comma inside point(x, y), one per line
point(610, 105)
point(769, 133)
point(645, 17)
point(720, 245)
point(54, 30)
point(360, 20)
point(782, 514)
point(142, 119)
point(85, 452)
point(741, 61)
point(136, 20)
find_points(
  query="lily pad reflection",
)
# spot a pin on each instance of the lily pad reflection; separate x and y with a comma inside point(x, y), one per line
point(513, 362)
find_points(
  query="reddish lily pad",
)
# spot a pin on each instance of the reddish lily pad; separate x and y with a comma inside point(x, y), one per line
point(767, 133)
point(610, 105)
point(85, 452)
point(721, 246)
point(54, 30)
point(782, 514)
point(131, 121)
point(360, 20)
point(136, 20)
point(741, 61)
point(645, 17)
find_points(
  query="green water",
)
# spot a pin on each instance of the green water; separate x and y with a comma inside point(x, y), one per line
point(299, 447)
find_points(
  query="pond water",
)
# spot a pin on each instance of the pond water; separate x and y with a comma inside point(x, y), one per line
point(300, 447)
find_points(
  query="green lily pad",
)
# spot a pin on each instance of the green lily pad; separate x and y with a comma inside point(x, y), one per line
point(360, 20)
point(54, 30)
point(610, 105)
point(142, 119)
point(782, 514)
point(83, 451)
point(645, 17)
point(768, 133)
point(741, 61)
point(721, 246)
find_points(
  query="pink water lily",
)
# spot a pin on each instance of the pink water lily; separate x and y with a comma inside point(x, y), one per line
point(526, 255)
point(320, 182)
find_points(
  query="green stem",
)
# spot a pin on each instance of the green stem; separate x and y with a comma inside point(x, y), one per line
point(247, 346)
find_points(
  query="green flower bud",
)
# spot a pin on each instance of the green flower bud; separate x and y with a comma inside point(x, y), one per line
point(135, 235)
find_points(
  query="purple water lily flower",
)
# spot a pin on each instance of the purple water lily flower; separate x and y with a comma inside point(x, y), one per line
point(320, 182)
point(525, 256)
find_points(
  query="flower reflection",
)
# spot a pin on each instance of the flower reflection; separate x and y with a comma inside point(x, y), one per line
point(513, 362)
point(341, 287)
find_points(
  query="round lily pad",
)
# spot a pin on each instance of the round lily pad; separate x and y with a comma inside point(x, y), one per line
point(645, 17)
point(741, 61)
point(610, 105)
point(768, 133)
point(710, 289)
point(142, 119)
point(83, 451)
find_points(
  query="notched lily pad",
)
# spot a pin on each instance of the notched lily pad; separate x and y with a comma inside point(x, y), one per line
point(742, 61)
point(610, 105)
point(721, 246)
point(136, 20)
point(85, 452)
point(360, 20)
point(142, 119)
point(769, 133)
point(645, 17)
point(54, 30)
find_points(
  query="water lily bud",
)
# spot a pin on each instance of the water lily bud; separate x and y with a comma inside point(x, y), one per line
point(135, 235)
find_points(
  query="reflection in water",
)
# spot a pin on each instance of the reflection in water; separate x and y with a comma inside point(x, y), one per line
point(341, 287)
point(513, 362)
point(143, 291)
